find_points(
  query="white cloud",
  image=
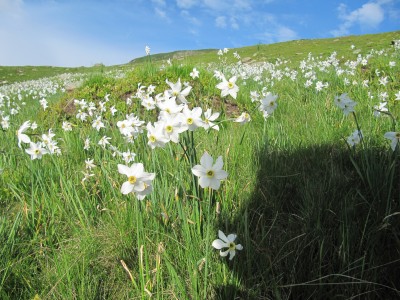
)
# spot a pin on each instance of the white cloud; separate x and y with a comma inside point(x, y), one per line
point(234, 24)
point(162, 14)
point(286, 34)
point(279, 33)
point(159, 3)
point(185, 4)
point(220, 22)
point(217, 5)
point(193, 20)
point(369, 15)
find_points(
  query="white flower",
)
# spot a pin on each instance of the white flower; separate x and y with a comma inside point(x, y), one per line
point(36, 151)
point(155, 135)
point(209, 117)
point(355, 138)
point(66, 126)
point(210, 174)
point(176, 92)
point(191, 119)
point(138, 181)
point(228, 87)
point(378, 109)
point(243, 118)
point(128, 156)
point(345, 103)
point(43, 102)
point(171, 128)
point(397, 95)
point(268, 104)
point(194, 74)
point(104, 141)
point(22, 137)
point(87, 175)
point(147, 50)
point(98, 123)
point(87, 144)
point(394, 137)
point(226, 242)
point(89, 164)
point(5, 124)
point(113, 110)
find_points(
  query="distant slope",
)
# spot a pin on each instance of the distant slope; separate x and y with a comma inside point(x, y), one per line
point(175, 55)
point(294, 51)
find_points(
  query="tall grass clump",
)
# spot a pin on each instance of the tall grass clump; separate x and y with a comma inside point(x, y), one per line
point(230, 180)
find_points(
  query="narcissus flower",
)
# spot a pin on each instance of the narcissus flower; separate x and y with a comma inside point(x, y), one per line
point(139, 181)
point(243, 118)
point(228, 87)
point(175, 91)
point(22, 137)
point(226, 242)
point(210, 174)
point(36, 151)
point(345, 103)
point(194, 74)
point(268, 104)
point(355, 138)
point(394, 137)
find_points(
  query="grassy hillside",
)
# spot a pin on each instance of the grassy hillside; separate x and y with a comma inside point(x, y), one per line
point(294, 51)
point(276, 180)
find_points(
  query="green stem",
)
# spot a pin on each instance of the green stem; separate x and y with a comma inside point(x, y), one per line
point(207, 242)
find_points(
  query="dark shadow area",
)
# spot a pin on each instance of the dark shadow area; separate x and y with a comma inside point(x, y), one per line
point(322, 223)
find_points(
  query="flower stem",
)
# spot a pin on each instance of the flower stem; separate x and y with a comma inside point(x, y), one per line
point(207, 241)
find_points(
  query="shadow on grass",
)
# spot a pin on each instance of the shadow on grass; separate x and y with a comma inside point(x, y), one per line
point(322, 223)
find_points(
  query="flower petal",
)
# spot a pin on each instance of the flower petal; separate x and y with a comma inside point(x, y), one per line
point(218, 164)
point(204, 182)
point(224, 253)
point(239, 247)
point(220, 174)
point(214, 183)
point(206, 161)
point(218, 244)
point(126, 188)
point(223, 237)
point(231, 237)
point(199, 171)
point(125, 170)
point(231, 254)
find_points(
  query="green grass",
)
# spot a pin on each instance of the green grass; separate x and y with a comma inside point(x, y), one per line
point(317, 219)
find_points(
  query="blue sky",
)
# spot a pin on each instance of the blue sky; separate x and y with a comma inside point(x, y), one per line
point(85, 32)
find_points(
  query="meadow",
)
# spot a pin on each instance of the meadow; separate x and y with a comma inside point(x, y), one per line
point(263, 172)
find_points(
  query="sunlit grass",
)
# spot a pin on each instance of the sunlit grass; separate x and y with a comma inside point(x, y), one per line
point(317, 217)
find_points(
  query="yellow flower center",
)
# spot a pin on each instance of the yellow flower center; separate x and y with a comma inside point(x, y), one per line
point(232, 246)
point(175, 93)
point(152, 138)
point(210, 173)
point(132, 179)
point(190, 121)
point(230, 85)
point(37, 151)
point(169, 128)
